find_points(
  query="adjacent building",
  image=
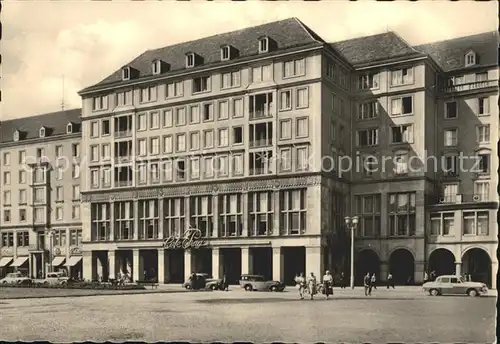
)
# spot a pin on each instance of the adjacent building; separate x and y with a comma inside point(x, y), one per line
point(252, 146)
point(40, 225)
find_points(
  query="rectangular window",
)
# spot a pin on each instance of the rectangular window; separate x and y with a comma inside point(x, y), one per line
point(142, 122)
point(180, 116)
point(180, 170)
point(223, 138)
point(154, 172)
point(194, 141)
point(368, 110)
point(168, 118)
point(124, 220)
point(75, 147)
point(174, 213)
point(368, 208)
point(94, 129)
point(450, 137)
point(230, 215)
point(237, 108)
point(368, 81)
point(100, 221)
point(154, 146)
point(201, 84)
point(402, 133)
point(302, 98)
point(105, 127)
point(195, 168)
point(294, 68)
point(262, 74)
point(450, 110)
point(401, 214)
point(223, 167)
point(401, 161)
point(483, 106)
point(23, 196)
point(76, 171)
point(402, 106)
point(293, 212)
point(285, 100)
point(484, 163)
point(100, 103)
point(22, 157)
point(237, 135)
point(483, 134)
point(142, 176)
point(482, 191)
point(238, 164)
point(367, 137)
point(167, 171)
point(475, 223)
point(194, 114)
point(175, 89)
point(208, 167)
point(302, 159)
point(285, 159)
point(261, 213)
point(402, 77)
point(142, 147)
point(149, 94)
point(208, 139)
point(231, 79)
point(208, 112)
point(59, 152)
point(106, 151)
point(180, 145)
point(302, 127)
point(285, 129)
point(167, 144)
point(94, 178)
point(223, 110)
point(124, 98)
point(154, 120)
point(75, 194)
point(94, 153)
point(201, 214)
point(6, 178)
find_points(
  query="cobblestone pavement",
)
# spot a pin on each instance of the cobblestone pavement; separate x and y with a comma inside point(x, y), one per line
point(403, 315)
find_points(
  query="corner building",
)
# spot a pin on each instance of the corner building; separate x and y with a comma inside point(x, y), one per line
point(40, 225)
point(226, 135)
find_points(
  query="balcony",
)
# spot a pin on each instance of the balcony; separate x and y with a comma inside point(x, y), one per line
point(263, 113)
point(123, 133)
point(261, 143)
point(470, 86)
point(123, 183)
point(123, 159)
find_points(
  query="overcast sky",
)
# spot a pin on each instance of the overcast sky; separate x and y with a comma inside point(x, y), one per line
point(86, 41)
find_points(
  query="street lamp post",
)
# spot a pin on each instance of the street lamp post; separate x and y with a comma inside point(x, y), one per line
point(351, 223)
point(51, 249)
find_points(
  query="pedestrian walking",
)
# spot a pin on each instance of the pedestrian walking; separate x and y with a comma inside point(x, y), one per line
point(390, 282)
point(301, 283)
point(367, 284)
point(311, 285)
point(342, 280)
point(225, 283)
point(374, 281)
point(328, 284)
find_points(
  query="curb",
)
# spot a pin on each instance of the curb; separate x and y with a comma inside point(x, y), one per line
point(93, 294)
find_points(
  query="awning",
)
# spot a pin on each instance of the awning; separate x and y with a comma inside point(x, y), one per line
point(72, 261)
point(58, 261)
point(4, 261)
point(19, 261)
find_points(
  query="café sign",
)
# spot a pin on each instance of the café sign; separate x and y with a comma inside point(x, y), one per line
point(192, 238)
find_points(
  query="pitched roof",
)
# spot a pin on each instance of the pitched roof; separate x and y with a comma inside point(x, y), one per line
point(288, 33)
point(450, 54)
point(55, 121)
point(374, 48)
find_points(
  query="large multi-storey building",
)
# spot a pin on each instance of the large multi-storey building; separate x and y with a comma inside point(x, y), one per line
point(261, 141)
point(40, 224)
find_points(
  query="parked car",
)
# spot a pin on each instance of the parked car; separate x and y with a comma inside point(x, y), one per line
point(199, 282)
point(259, 283)
point(55, 278)
point(15, 277)
point(214, 284)
point(452, 285)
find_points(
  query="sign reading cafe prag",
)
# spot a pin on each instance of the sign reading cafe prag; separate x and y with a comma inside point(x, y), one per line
point(192, 238)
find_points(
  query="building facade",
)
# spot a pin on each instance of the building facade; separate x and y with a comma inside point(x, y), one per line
point(252, 146)
point(40, 224)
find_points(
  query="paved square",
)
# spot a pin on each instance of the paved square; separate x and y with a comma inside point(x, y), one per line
point(394, 315)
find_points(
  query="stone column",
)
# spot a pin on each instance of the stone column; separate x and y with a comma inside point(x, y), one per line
point(167, 266)
point(278, 264)
point(494, 269)
point(136, 220)
point(458, 269)
point(187, 214)
point(384, 271)
point(111, 264)
point(217, 269)
point(161, 220)
point(314, 263)
point(30, 262)
point(246, 261)
point(215, 215)
point(418, 276)
point(244, 231)
point(111, 222)
point(276, 212)
point(161, 265)
point(187, 264)
point(87, 267)
point(137, 266)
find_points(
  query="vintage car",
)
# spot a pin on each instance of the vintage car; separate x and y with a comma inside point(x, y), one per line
point(15, 278)
point(203, 281)
point(54, 278)
point(259, 283)
point(453, 285)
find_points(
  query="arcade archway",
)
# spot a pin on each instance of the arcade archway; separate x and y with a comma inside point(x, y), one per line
point(477, 263)
point(366, 261)
point(442, 262)
point(402, 266)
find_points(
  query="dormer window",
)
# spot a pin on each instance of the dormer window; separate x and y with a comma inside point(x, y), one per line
point(69, 128)
point(190, 60)
point(16, 135)
point(470, 59)
point(263, 44)
point(225, 53)
point(156, 67)
point(42, 132)
point(126, 73)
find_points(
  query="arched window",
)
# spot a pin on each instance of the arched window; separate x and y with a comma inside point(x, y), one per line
point(42, 132)
point(470, 59)
point(69, 128)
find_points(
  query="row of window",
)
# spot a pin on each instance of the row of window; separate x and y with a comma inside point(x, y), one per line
point(40, 214)
point(40, 153)
point(59, 237)
point(473, 223)
point(451, 191)
point(290, 210)
point(39, 174)
point(206, 167)
point(40, 193)
point(201, 84)
point(23, 239)
point(482, 108)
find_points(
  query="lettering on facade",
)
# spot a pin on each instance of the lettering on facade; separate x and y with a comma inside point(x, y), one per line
point(192, 238)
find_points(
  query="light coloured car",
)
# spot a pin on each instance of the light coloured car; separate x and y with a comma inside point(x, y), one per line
point(54, 278)
point(453, 285)
point(259, 283)
point(15, 277)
